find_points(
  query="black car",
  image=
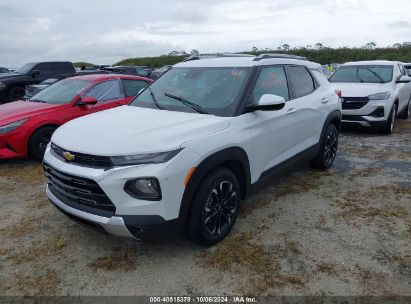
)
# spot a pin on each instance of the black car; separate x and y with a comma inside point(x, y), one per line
point(4, 70)
point(12, 85)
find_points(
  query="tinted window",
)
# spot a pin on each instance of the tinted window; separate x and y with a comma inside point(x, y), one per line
point(272, 80)
point(141, 72)
point(408, 69)
point(43, 67)
point(363, 73)
point(107, 90)
point(132, 87)
point(61, 92)
point(62, 68)
point(302, 81)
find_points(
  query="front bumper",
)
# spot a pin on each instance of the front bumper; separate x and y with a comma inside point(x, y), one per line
point(13, 144)
point(133, 218)
point(373, 114)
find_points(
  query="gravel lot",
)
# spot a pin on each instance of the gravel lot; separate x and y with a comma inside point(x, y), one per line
point(343, 232)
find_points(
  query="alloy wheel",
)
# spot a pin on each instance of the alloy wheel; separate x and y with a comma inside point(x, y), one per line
point(330, 147)
point(220, 209)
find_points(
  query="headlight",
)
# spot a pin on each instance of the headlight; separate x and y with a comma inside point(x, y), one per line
point(145, 188)
point(379, 96)
point(139, 159)
point(11, 127)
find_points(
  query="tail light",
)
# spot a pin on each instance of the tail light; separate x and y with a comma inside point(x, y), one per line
point(338, 92)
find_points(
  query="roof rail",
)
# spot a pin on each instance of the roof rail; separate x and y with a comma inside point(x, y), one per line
point(207, 56)
point(285, 56)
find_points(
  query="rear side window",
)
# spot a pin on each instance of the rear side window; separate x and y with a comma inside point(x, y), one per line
point(141, 72)
point(302, 81)
point(272, 80)
point(132, 87)
point(107, 90)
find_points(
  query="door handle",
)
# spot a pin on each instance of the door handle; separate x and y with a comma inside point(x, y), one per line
point(325, 100)
point(291, 111)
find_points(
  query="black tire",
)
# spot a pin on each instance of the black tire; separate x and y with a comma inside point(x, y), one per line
point(328, 149)
point(389, 125)
point(16, 93)
point(214, 207)
point(39, 141)
point(407, 111)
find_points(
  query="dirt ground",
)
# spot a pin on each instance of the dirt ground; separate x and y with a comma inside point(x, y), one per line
point(342, 232)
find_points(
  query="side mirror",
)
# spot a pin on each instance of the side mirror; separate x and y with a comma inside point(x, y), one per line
point(88, 101)
point(404, 79)
point(35, 73)
point(268, 102)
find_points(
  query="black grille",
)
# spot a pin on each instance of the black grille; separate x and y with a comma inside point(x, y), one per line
point(354, 103)
point(78, 192)
point(82, 159)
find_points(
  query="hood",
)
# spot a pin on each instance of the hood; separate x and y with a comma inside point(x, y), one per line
point(18, 110)
point(361, 89)
point(129, 130)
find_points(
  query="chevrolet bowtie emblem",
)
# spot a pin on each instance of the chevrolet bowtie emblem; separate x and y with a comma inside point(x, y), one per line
point(68, 156)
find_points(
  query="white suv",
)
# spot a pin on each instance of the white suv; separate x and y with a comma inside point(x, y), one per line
point(191, 145)
point(374, 93)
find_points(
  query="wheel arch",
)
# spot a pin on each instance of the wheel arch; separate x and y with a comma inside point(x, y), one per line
point(334, 118)
point(234, 158)
point(38, 128)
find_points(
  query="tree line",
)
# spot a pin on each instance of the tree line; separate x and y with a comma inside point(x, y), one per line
point(317, 53)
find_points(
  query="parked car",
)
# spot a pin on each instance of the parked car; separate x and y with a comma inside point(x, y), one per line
point(26, 126)
point(4, 70)
point(158, 72)
point(374, 93)
point(407, 67)
point(12, 85)
point(128, 70)
point(191, 145)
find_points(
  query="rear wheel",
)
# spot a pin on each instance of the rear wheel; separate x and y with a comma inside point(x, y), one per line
point(328, 149)
point(214, 207)
point(389, 125)
point(16, 93)
point(39, 141)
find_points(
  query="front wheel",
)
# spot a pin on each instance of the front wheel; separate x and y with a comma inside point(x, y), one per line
point(389, 125)
point(328, 149)
point(39, 141)
point(214, 207)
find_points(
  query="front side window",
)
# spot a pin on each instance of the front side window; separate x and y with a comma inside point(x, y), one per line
point(61, 92)
point(363, 74)
point(216, 90)
point(25, 68)
point(302, 81)
point(408, 69)
point(271, 80)
point(107, 90)
point(132, 87)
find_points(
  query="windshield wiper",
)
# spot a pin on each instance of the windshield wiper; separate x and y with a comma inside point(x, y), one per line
point(37, 100)
point(376, 75)
point(153, 97)
point(190, 104)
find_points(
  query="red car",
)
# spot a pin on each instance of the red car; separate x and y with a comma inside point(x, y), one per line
point(26, 126)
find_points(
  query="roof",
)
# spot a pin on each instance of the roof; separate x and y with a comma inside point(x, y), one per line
point(102, 77)
point(371, 62)
point(244, 62)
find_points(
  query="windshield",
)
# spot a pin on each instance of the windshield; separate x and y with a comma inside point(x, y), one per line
point(61, 92)
point(408, 69)
point(25, 68)
point(363, 73)
point(214, 90)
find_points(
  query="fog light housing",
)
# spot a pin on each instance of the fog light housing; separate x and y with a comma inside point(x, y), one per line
point(144, 188)
point(379, 112)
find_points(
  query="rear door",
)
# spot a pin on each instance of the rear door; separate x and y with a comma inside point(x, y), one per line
point(109, 94)
point(306, 108)
point(404, 89)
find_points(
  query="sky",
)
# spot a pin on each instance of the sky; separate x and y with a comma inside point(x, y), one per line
point(106, 31)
